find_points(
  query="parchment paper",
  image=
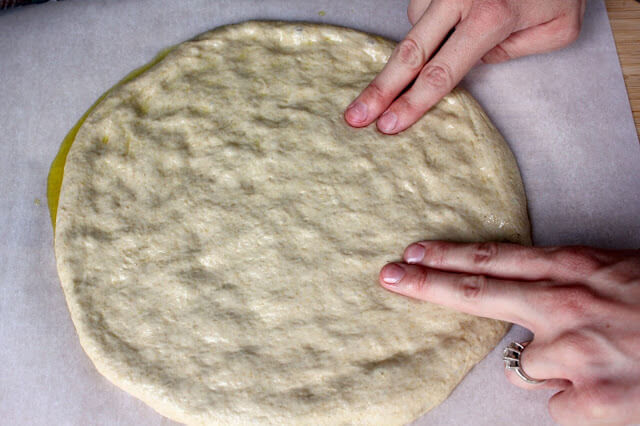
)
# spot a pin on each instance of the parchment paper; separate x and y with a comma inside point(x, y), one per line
point(565, 114)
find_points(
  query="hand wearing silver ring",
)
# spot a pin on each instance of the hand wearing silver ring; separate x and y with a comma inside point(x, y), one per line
point(511, 357)
point(582, 304)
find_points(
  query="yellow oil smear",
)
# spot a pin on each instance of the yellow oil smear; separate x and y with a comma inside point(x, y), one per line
point(54, 181)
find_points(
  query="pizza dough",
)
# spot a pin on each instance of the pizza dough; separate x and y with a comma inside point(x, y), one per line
point(220, 231)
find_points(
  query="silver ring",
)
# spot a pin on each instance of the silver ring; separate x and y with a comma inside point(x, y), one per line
point(511, 357)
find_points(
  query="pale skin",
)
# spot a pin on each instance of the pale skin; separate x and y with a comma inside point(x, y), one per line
point(581, 303)
point(488, 30)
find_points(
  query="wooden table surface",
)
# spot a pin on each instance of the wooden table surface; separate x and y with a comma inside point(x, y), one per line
point(624, 16)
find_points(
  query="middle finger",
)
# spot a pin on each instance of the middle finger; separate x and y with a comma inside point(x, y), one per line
point(405, 62)
point(474, 294)
point(501, 260)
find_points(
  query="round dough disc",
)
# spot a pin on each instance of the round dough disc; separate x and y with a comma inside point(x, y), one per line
point(220, 231)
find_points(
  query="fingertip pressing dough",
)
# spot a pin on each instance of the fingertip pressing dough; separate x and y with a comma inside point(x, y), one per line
point(220, 230)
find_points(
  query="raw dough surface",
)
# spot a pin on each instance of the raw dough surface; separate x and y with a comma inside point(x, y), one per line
point(220, 232)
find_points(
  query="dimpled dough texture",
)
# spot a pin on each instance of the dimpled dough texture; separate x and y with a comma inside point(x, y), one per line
point(220, 232)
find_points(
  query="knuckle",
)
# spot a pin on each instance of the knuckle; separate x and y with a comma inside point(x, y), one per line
point(437, 76)
point(569, 34)
point(573, 303)
point(472, 287)
point(376, 93)
point(626, 271)
point(410, 54)
point(435, 253)
point(574, 345)
point(577, 260)
point(484, 253)
point(497, 54)
point(420, 283)
point(568, 28)
point(493, 14)
point(404, 105)
point(581, 353)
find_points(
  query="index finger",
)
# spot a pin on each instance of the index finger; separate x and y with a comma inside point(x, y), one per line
point(502, 260)
point(471, 40)
point(512, 261)
point(406, 61)
point(474, 294)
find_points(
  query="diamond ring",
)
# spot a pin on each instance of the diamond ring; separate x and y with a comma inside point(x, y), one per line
point(511, 357)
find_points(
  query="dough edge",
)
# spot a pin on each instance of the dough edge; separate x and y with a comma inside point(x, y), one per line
point(93, 351)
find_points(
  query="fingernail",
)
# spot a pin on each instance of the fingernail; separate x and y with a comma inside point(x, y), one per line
point(357, 112)
point(414, 253)
point(387, 121)
point(392, 273)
